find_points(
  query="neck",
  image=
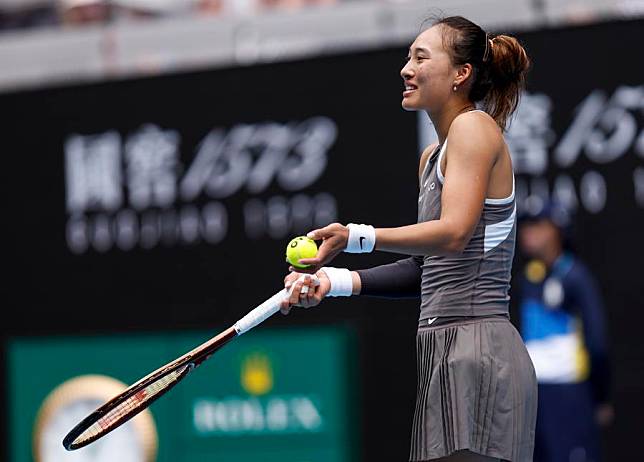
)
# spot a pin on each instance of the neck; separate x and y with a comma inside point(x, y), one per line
point(443, 119)
point(551, 254)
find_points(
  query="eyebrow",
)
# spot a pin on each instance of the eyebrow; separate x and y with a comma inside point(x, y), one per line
point(419, 50)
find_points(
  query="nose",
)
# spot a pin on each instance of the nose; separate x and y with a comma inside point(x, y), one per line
point(406, 72)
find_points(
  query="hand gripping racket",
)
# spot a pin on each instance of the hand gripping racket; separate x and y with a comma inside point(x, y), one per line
point(139, 396)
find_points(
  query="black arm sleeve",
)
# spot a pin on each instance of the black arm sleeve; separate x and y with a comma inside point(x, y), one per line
point(400, 279)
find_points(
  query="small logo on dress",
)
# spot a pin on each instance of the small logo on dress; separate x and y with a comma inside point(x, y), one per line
point(432, 186)
point(431, 320)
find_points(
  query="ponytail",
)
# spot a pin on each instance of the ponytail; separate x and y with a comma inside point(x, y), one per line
point(508, 65)
point(500, 65)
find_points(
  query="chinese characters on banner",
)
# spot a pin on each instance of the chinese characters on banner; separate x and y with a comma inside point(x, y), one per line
point(134, 190)
point(604, 128)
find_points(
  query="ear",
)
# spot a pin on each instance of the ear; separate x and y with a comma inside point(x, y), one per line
point(463, 73)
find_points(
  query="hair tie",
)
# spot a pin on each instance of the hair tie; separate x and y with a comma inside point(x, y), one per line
point(488, 47)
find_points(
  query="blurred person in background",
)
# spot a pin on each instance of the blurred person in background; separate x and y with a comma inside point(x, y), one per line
point(34, 13)
point(68, 13)
point(24, 14)
point(81, 12)
point(226, 7)
point(294, 4)
point(563, 325)
point(246, 7)
point(209, 7)
point(150, 9)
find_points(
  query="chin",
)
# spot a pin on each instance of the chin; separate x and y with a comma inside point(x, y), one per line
point(407, 106)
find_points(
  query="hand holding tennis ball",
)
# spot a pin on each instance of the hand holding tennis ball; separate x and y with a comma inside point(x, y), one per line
point(300, 247)
point(334, 239)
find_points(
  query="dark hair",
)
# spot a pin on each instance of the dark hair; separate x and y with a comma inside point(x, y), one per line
point(499, 63)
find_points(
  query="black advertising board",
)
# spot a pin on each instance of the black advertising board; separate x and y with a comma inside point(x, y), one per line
point(184, 191)
point(167, 202)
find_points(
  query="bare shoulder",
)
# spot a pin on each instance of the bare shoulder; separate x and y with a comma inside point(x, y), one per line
point(475, 133)
point(424, 157)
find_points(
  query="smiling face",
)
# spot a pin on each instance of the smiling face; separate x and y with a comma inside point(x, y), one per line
point(429, 74)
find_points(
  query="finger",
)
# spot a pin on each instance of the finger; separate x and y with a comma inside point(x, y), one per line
point(316, 234)
point(290, 280)
point(320, 233)
point(306, 290)
point(295, 294)
point(305, 285)
point(284, 307)
point(312, 261)
point(315, 280)
point(291, 277)
point(309, 286)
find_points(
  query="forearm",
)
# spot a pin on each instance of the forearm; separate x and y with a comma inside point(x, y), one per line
point(436, 237)
point(400, 279)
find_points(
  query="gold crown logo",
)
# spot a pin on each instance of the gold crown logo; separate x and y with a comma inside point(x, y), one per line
point(257, 374)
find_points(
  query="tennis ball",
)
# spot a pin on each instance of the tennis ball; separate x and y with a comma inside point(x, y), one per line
point(300, 247)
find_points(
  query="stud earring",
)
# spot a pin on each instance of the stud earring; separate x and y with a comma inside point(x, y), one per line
point(454, 87)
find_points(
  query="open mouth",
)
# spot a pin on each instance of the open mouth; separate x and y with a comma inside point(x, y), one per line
point(409, 89)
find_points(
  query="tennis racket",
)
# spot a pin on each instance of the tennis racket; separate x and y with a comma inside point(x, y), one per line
point(143, 393)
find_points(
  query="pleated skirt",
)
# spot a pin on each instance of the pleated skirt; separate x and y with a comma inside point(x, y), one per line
point(477, 390)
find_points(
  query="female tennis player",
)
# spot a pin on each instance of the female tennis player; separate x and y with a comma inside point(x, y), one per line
point(477, 392)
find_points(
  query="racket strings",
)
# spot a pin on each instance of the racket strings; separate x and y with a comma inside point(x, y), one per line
point(131, 404)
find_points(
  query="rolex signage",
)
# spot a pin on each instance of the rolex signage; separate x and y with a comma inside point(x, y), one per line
point(260, 412)
point(281, 395)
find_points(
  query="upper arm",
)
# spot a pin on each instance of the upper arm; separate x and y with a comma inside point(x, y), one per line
point(474, 144)
point(424, 157)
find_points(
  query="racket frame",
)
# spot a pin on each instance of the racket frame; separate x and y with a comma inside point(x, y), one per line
point(190, 360)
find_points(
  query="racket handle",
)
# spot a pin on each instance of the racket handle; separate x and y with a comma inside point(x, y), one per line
point(268, 308)
point(261, 313)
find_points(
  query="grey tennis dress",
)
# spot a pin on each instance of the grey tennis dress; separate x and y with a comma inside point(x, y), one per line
point(477, 388)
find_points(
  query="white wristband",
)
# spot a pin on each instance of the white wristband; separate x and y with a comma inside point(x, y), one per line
point(341, 281)
point(362, 238)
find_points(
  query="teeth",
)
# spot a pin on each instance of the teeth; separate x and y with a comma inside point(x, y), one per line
point(408, 87)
